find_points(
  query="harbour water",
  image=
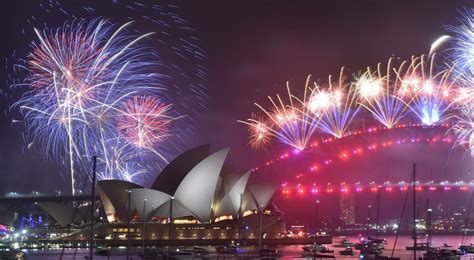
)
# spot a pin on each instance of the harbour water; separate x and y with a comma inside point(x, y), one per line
point(289, 251)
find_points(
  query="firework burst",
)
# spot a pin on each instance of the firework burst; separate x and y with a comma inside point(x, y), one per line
point(260, 131)
point(462, 55)
point(81, 76)
point(90, 88)
point(381, 94)
point(463, 51)
point(334, 106)
point(144, 121)
point(429, 92)
point(289, 121)
point(464, 127)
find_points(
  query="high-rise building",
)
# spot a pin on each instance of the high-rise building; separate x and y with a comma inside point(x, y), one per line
point(347, 208)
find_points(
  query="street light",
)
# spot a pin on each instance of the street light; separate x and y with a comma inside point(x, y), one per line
point(170, 231)
point(129, 194)
point(368, 219)
point(144, 224)
point(260, 234)
point(316, 219)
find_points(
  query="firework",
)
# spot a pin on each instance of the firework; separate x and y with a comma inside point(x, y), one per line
point(429, 92)
point(144, 121)
point(463, 56)
point(288, 121)
point(90, 89)
point(463, 51)
point(106, 67)
point(260, 131)
point(334, 106)
point(381, 94)
point(464, 127)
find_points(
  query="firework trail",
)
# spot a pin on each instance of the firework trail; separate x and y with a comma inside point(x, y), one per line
point(464, 127)
point(84, 92)
point(144, 121)
point(94, 88)
point(462, 53)
point(289, 121)
point(260, 131)
point(428, 92)
point(381, 93)
point(334, 106)
point(387, 94)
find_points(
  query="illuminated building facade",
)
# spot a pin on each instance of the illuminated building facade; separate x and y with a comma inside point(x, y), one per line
point(347, 208)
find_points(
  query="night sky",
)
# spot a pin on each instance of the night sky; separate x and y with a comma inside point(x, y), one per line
point(253, 48)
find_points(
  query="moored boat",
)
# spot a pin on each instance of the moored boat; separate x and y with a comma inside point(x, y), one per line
point(317, 248)
point(347, 251)
point(344, 243)
point(269, 253)
point(12, 254)
point(419, 247)
point(467, 249)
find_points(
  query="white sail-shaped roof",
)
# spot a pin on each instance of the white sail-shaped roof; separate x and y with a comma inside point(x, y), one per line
point(248, 202)
point(197, 189)
point(65, 213)
point(236, 192)
point(154, 200)
point(262, 193)
point(234, 187)
point(179, 210)
point(174, 173)
point(115, 192)
point(223, 206)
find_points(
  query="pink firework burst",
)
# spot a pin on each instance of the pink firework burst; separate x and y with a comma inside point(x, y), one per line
point(144, 121)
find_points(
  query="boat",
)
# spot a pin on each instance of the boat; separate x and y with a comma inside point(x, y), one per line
point(182, 252)
point(152, 253)
point(316, 255)
point(347, 251)
point(269, 253)
point(373, 250)
point(317, 248)
point(344, 243)
point(419, 247)
point(370, 248)
point(377, 240)
point(442, 254)
point(230, 249)
point(12, 254)
point(467, 249)
point(199, 251)
point(102, 252)
point(377, 257)
point(378, 243)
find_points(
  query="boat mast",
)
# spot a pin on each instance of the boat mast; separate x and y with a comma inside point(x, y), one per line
point(414, 211)
point(94, 176)
point(466, 223)
point(378, 213)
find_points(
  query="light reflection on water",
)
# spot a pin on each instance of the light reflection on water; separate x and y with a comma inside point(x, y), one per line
point(289, 251)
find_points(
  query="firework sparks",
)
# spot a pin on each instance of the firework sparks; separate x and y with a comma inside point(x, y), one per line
point(82, 94)
point(463, 51)
point(430, 91)
point(144, 121)
point(381, 94)
point(463, 56)
point(289, 122)
point(260, 131)
point(336, 106)
point(464, 127)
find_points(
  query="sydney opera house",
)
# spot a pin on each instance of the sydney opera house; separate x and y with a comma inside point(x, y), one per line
point(194, 197)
